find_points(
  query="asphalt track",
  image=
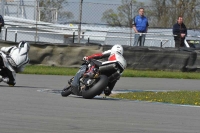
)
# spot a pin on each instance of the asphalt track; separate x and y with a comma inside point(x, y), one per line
point(34, 105)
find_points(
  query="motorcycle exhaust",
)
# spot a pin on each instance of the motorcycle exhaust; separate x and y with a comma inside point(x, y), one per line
point(111, 68)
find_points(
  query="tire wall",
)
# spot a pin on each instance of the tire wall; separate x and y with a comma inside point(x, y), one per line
point(139, 58)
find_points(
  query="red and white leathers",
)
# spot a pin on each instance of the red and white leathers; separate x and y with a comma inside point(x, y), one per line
point(110, 54)
point(98, 55)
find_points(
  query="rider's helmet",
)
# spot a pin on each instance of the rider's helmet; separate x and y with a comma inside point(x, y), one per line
point(24, 45)
point(117, 48)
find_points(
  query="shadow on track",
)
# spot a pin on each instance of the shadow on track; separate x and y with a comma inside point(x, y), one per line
point(7, 86)
point(74, 96)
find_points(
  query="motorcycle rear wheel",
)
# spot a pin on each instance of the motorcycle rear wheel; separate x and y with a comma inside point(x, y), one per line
point(97, 89)
point(66, 91)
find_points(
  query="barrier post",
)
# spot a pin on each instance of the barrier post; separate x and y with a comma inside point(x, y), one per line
point(15, 36)
point(73, 36)
point(88, 39)
point(6, 34)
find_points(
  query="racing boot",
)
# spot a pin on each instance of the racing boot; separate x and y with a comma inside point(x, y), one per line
point(70, 81)
point(75, 90)
point(9, 82)
point(107, 91)
point(6, 80)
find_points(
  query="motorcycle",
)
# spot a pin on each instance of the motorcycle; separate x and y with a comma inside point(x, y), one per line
point(103, 73)
point(13, 60)
point(5, 67)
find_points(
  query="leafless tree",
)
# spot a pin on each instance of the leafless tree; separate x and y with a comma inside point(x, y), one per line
point(49, 8)
point(164, 13)
point(124, 14)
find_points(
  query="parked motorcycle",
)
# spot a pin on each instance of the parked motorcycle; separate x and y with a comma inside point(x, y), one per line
point(103, 73)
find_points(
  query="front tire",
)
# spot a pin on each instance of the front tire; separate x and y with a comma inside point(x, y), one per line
point(66, 91)
point(96, 89)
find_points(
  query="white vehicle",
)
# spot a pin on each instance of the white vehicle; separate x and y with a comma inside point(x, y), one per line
point(13, 60)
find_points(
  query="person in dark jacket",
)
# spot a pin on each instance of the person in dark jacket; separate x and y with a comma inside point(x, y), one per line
point(1, 22)
point(179, 32)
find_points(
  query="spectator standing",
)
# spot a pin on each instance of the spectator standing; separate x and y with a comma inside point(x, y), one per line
point(1, 22)
point(179, 32)
point(140, 26)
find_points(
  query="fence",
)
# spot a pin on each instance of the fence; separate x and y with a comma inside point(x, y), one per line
point(60, 22)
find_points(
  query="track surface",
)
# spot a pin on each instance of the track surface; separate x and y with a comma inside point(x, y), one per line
point(34, 106)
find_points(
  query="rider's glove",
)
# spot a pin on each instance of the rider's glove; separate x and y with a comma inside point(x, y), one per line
point(85, 58)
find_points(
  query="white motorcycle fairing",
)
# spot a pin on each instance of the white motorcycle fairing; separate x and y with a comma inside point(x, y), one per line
point(116, 58)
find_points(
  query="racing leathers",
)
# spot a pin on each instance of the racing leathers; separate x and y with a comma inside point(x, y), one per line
point(82, 71)
point(15, 60)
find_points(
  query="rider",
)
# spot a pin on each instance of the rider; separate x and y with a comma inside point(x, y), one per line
point(107, 54)
point(17, 57)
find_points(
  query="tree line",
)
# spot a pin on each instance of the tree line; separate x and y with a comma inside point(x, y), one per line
point(160, 13)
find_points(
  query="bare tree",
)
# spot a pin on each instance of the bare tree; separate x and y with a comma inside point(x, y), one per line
point(164, 13)
point(160, 13)
point(123, 15)
point(51, 10)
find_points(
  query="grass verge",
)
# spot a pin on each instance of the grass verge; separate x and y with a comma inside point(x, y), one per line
point(52, 70)
point(174, 97)
point(49, 70)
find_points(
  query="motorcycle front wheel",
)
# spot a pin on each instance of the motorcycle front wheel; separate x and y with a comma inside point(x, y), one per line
point(66, 91)
point(96, 89)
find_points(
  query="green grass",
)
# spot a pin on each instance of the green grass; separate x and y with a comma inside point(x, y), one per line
point(49, 70)
point(52, 70)
point(161, 74)
point(174, 97)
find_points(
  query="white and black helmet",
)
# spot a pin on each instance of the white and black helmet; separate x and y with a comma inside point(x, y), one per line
point(117, 48)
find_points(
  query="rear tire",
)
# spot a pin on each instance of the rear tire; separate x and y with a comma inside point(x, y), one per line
point(96, 89)
point(66, 91)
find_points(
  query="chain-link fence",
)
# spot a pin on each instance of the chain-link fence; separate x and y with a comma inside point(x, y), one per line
point(59, 21)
